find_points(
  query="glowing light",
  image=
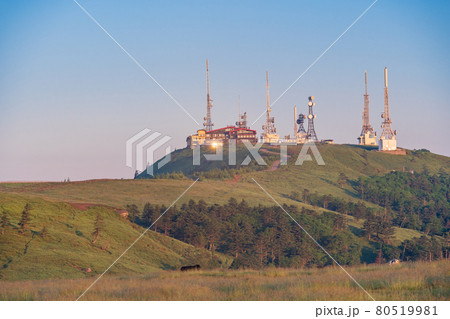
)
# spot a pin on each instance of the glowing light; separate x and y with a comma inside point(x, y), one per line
point(214, 144)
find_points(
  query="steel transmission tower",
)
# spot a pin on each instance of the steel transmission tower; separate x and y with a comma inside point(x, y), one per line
point(208, 124)
point(269, 127)
point(300, 121)
point(311, 134)
point(388, 133)
point(367, 128)
point(295, 120)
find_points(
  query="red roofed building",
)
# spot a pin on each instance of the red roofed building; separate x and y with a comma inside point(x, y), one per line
point(218, 136)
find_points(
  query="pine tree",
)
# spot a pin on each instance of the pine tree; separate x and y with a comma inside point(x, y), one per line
point(380, 259)
point(305, 195)
point(24, 223)
point(4, 223)
point(133, 212)
point(147, 214)
point(384, 229)
point(342, 180)
point(370, 226)
point(98, 227)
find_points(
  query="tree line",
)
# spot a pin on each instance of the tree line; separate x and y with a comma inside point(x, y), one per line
point(261, 236)
point(418, 201)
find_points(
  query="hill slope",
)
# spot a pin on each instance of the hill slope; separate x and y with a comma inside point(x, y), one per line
point(67, 250)
point(353, 161)
point(69, 246)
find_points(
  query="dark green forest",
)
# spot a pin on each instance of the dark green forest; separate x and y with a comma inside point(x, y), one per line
point(263, 236)
point(412, 200)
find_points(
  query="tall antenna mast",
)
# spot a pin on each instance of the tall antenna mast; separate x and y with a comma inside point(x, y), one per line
point(269, 127)
point(367, 136)
point(311, 135)
point(366, 107)
point(366, 124)
point(295, 120)
point(208, 124)
point(365, 74)
point(268, 103)
point(387, 133)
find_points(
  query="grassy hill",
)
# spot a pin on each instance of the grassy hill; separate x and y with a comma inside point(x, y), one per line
point(353, 161)
point(67, 250)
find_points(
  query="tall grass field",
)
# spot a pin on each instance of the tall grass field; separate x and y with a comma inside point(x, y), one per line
point(407, 281)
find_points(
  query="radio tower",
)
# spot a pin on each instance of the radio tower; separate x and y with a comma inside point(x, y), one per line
point(295, 120)
point(367, 136)
point(386, 125)
point(311, 135)
point(366, 125)
point(208, 124)
point(387, 139)
point(300, 121)
point(269, 131)
point(299, 129)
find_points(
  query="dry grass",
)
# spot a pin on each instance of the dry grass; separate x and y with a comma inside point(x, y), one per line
point(408, 281)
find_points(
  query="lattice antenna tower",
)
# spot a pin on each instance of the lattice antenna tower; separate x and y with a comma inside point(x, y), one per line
point(311, 134)
point(208, 124)
point(366, 124)
point(269, 127)
point(300, 120)
point(387, 133)
point(295, 120)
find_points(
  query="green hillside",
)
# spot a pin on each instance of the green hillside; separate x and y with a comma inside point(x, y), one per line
point(67, 251)
point(353, 161)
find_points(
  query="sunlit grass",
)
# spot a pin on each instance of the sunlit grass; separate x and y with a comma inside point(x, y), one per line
point(408, 281)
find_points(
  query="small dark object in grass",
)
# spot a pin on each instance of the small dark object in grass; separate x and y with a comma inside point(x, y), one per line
point(187, 268)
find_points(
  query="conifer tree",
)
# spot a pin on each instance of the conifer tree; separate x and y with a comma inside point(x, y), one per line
point(24, 223)
point(342, 180)
point(98, 227)
point(4, 223)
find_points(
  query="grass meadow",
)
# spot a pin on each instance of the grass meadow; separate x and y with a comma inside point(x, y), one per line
point(407, 281)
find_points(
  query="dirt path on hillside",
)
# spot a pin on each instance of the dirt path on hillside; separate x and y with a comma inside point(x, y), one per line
point(276, 165)
point(235, 179)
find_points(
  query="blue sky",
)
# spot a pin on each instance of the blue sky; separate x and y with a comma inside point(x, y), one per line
point(70, 98)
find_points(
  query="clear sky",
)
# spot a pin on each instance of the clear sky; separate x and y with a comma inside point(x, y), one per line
point(70, 98)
